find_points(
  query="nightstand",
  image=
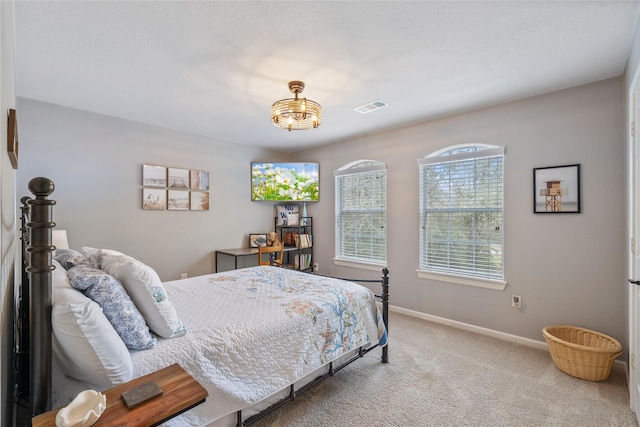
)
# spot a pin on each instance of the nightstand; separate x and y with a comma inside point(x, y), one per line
point(181, 392)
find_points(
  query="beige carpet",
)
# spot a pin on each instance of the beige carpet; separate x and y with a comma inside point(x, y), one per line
point(442, 376)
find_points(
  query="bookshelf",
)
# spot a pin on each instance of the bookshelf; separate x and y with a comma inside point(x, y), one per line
point(298, 243)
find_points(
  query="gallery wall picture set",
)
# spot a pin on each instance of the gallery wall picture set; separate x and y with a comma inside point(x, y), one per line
point(174, 189)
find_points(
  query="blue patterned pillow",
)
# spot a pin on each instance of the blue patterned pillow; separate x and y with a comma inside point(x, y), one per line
point(109, 293)
point(145, 288)
point(69, 258)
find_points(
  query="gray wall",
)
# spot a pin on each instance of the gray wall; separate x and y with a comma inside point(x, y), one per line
point(634, 59)
point(568, 268)
point(8, 216)
point(96, 163)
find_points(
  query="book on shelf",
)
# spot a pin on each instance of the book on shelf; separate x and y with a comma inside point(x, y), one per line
point(303, 241)
point(302, 261)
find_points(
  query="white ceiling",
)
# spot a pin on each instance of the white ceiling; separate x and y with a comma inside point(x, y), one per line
point(215, 68)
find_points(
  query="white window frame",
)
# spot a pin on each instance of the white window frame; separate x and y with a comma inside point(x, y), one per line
point(457, 277)
point(355, 168)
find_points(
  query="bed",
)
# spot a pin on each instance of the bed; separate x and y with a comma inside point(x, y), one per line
point(255, 338)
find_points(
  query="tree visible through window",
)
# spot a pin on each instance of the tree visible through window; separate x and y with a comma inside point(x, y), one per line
point(461, 210)
point(361, 212)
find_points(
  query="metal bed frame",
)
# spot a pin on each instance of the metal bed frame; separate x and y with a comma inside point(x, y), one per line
point(33, 348)
point(293, 392)
point(33, 330)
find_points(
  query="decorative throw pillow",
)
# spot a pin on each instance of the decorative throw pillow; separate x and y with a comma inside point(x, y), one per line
point(146, 290)
point(109, 293)
point(288, 214)
point(70, 258)
point(85, 343)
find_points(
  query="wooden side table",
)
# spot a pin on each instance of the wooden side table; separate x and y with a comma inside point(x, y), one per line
point(181, 392)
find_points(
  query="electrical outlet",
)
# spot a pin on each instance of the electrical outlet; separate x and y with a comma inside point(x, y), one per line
point(516, 301)
point(183, 276)
point(316, 267)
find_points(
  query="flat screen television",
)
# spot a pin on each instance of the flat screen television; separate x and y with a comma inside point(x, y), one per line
point(288, 181)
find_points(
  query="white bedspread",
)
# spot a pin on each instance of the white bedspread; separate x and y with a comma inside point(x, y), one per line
point(254, 331)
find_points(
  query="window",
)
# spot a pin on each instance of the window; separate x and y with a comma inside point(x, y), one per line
point(461, 211)
point(361, 213)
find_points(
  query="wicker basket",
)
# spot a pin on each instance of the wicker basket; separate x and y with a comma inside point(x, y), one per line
point(580, 352)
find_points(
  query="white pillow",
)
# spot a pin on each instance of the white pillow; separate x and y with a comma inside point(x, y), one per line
point(116, 305)
point(85, 343)
point(145, 289)
point(59, 279)
point(95, 255)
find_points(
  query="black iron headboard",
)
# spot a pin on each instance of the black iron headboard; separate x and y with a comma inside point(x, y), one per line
point(33, 349)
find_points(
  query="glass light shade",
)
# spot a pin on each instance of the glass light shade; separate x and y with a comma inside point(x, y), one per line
point(296, 113)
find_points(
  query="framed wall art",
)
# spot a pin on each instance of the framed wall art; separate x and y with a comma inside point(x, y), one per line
point(199, 180)
point(178, 178)
point(154, 176)
point(178, 200)
point(154, 199)
point(556, 189)
point(12, 138)
point(199, 200)
point(174, 189)
point(285, 182)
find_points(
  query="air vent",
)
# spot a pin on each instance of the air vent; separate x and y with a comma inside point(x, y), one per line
point(371, 106)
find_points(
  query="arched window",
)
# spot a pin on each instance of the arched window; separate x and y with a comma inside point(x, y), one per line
point(361, 213)
point(461, 212)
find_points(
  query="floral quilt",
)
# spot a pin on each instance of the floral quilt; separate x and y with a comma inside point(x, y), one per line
point(254, 331)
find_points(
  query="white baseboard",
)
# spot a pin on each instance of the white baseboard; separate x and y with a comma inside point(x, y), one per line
point(542, 345)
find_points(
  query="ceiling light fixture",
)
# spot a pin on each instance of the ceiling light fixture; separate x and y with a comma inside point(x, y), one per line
point(296, 113)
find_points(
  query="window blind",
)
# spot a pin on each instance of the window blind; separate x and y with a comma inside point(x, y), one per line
point(461, 203)
point(361, 214)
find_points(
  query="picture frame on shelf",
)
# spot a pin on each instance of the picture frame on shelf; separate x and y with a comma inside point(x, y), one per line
point(293, 219)
point(257, 239)
point(556, 189)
